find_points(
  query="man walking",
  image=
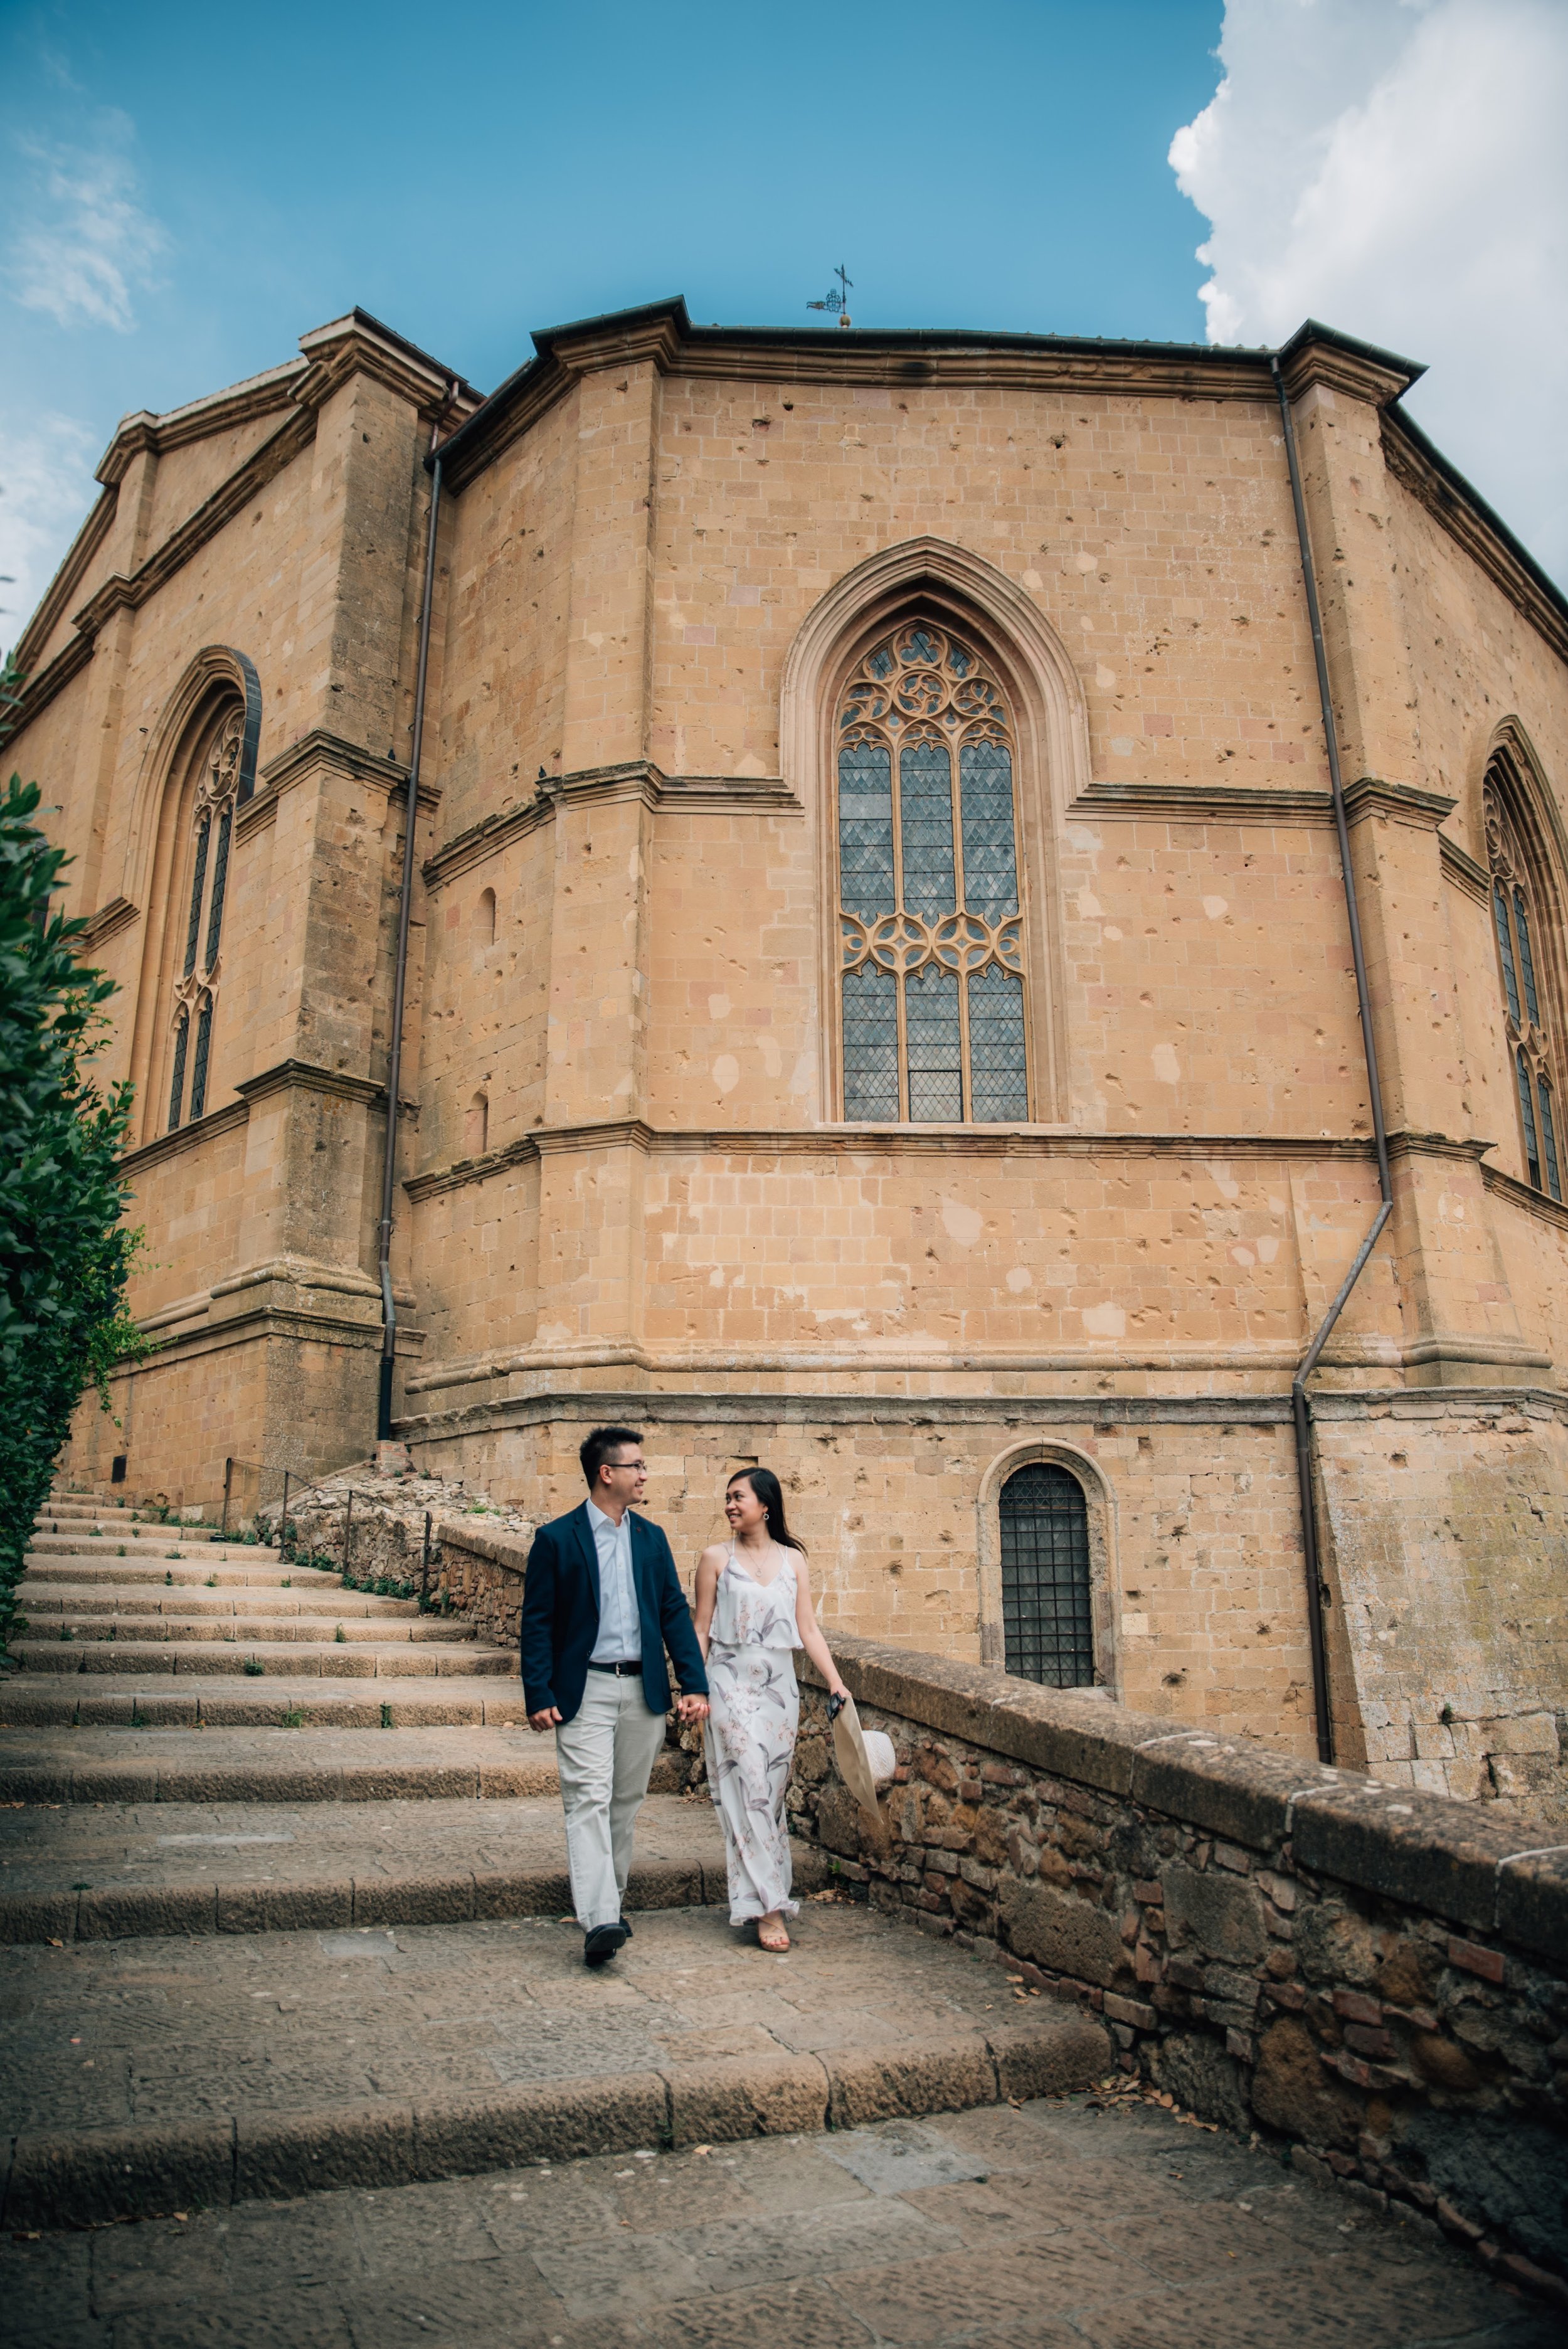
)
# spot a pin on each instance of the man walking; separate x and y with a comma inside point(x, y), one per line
point(601, 1603)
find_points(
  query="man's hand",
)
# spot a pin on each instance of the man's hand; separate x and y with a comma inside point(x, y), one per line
point(693, 1708)
point(549, 1718)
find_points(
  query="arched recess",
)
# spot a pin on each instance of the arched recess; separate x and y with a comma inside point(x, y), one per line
point(1523, 831)
point(219, 682)
point(1101, 1511)
point(962, 591)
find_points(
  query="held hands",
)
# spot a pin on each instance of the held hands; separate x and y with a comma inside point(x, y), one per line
point(693, 1708)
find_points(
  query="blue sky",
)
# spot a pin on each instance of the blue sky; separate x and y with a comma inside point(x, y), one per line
point(189, 188)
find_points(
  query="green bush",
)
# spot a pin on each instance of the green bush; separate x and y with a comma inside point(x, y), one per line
point(65, 1249)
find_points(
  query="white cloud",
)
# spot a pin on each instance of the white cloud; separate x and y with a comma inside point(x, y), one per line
point(84, 243)
point(1397, 168)
point(47, 488)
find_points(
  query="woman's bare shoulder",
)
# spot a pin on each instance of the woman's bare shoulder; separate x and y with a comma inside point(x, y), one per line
point(713, 1555)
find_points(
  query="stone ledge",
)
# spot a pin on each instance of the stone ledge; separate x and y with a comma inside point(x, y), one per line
point(1424, 1850)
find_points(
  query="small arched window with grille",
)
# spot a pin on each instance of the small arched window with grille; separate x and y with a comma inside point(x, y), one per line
point(1047, 1625)
point(935, 1017)
point(1523, 950)
point(199, 970)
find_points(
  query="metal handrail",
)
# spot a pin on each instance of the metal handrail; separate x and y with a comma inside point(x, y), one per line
point(312, 1485)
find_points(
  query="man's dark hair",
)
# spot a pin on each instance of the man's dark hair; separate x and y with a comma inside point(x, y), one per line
point(597, 1448)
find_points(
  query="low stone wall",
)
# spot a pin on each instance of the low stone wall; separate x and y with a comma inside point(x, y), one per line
point(473, 1566)
point(1372, 1978)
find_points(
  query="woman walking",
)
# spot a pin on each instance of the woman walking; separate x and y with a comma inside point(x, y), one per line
point(753, 1609)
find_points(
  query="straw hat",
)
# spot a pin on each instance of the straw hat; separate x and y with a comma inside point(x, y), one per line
point(865, 1756)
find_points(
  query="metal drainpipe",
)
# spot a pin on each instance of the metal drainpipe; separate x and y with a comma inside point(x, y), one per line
point(400, 984)
point(1300, 1403)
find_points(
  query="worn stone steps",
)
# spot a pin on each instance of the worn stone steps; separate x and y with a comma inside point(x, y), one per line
point(143, 1544)
point(363, 1761)
point(160, 1602)
point(131, 1527)
point(129, 1869)
point(164, 2073)
point(186, 1574)
point(119, 1705)
point(348, 1659)
point(242, 1624)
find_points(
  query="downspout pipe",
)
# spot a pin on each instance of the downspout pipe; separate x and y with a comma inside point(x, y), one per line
point(400, 982)
point(1300, 1403)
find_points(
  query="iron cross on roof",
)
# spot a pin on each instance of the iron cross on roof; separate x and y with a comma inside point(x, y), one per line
point(837, 300)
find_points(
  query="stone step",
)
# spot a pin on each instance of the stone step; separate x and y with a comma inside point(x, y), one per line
point(187, 1574)
point(116, 1528)
point(38, 1598)
point(133, 1869)
point(241, 1625)
point(105, 1706)
point(322, 1761)
point(229, 2066)
point(337, 1660)
point(115, 1544)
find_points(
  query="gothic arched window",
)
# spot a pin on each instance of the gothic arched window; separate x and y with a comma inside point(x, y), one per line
point(1516, 913)
point(1046, 1627)
point(198, 973)
point(934, 1015)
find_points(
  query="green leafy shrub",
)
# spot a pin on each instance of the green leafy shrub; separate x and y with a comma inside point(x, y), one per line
point(65, 1248)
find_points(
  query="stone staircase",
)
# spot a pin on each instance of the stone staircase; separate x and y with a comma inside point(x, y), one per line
point(313, 1823)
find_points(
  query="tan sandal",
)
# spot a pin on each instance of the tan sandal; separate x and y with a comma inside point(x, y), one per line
point(779, 1942)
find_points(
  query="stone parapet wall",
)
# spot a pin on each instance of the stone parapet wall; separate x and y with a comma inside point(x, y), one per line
point(1374, 1978)
point(460, 1568)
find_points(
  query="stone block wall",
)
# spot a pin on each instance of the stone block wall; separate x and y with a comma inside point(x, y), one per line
point(1374, 1979)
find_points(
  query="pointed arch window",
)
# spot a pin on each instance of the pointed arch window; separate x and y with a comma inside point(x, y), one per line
point(197, 980)
point(1522, 948)
point(934, 998)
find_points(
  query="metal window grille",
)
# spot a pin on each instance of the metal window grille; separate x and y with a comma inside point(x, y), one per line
point(198, 882)
point(935, 1026)
point(220, 878)
point(1047, 1627)
point(1549, 1137)
point(203, 1048)
point(1527, 1117)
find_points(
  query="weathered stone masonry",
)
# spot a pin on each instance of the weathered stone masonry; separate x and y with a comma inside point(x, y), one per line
point(1376, 1981)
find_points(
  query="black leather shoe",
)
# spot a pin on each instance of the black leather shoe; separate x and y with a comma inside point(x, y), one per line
point(601, 1944)
point(625, 1930)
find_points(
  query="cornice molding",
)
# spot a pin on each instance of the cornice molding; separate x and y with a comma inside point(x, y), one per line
point(61, 592)
point(305, 1076)
point(321, 749)
point(1466, 875)
point(1201, 803)
point(898, 1142)
point(200, 419)
point(1470, 522)
point(1521, 1195)
point(1317, 353)
point(1405, 802)
point(192, 1136)
point(638, 779)
point(1409, 1143)
point(360, 344)
point(108, 922)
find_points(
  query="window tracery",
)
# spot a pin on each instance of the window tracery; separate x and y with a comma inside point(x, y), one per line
point(1516, 910)
point(935, 1025)
point(196, 984)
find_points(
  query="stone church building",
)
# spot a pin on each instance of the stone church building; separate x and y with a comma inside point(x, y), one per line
point(879, 995)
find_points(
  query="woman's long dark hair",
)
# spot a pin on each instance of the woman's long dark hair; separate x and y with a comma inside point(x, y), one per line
point(770, 1492)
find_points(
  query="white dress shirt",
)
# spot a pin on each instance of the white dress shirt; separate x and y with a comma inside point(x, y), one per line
point(620, 1640)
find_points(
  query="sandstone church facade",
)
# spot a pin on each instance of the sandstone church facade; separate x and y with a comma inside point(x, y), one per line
point(879, 990)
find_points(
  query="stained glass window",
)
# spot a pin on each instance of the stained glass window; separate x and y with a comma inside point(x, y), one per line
point(1515, 904)
point(935, 1014)
point(196, 986)
point(1047, 1627)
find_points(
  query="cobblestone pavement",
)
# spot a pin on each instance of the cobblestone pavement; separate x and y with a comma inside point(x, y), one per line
point(1035, 2228)
point(176, 2030)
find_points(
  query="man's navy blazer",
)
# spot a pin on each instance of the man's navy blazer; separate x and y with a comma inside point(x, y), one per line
point(561, 1615)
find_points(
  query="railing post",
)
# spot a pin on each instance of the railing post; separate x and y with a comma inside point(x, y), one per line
point(425, 1564)
point(284, 1525)
point(228, 1489)
point(347, 1530)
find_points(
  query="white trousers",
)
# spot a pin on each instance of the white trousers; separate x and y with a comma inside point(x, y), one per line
point(605, 1757)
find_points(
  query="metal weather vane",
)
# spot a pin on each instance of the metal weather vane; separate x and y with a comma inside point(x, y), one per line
point(838, 301)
